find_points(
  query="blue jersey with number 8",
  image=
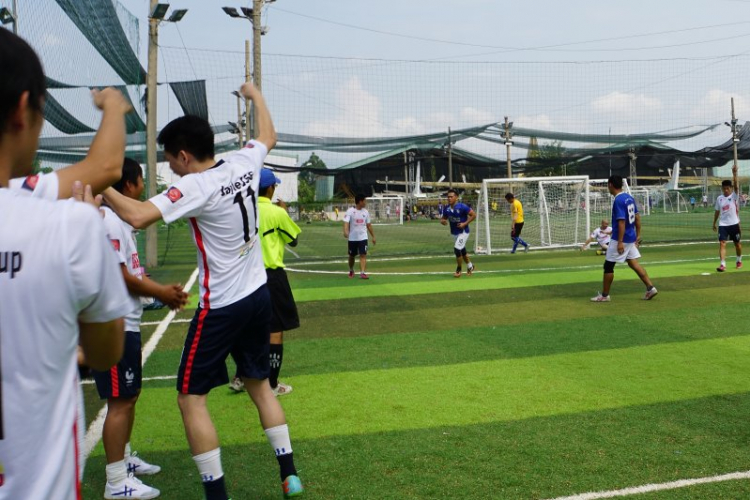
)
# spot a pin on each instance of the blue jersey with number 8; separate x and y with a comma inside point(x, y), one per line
point(624, 208)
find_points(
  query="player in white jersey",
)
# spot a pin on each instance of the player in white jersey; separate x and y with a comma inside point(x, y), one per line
point(59, 285)
point(728, 215)
point(356, 226)
point(602, 235)
point(121, 385)
point(219, 200)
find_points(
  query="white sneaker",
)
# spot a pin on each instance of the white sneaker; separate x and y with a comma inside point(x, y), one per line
point(139, 467)
point(281, 389)
point(131, 487)
point(600, 298)
point(650, 294)
point(237, 385)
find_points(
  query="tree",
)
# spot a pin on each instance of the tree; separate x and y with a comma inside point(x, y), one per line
point(307, 178)
point(550, 159)
point(37, 167)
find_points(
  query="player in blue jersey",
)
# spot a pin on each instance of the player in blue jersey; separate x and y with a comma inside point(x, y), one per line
point(626, 238)
point(459, 216)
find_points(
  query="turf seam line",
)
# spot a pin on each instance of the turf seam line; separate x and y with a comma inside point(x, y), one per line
point(94, 432)
point(647, 488)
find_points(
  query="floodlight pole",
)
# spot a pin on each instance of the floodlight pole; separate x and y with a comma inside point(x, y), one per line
point(508, 143)
point(257, 6)
point(153, 38)
point(633, 175)
point(735, 140)
point(249, 113)
point(450, 159)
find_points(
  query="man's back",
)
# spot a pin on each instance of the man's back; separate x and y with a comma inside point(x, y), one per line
point(221, 206)
point(54, 264)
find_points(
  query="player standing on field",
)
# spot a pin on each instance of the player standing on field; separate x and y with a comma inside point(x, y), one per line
point(59, 285)
point(121, 385)
point(516, 222)
point(626, 238)
point(356, 226)
point(459, 216)
point(220, 201)
point(728, 215)
point(276, 230)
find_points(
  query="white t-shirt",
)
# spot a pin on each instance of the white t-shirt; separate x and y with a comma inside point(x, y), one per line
point(729, 209)
point(56, 266)
point(358, 220)
point(602, 236)
point(221, 206)
point(43, 186)
point(122, 237)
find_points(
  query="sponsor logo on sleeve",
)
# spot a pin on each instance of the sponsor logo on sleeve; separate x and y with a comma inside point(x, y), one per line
point(250, 145)
point(30, 182)
point(173, 194)
point(116, 245)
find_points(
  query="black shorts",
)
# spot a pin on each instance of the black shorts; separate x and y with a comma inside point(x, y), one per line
point(124, 379)
point(284, 315)
point(241, 330)
point(516, 230)
point(732, 233)
point(358, 247)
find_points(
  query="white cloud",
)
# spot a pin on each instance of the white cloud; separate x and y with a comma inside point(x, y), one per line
point(716, 106)
point(476, 116)
point(539, 122)
point(360, 114)
point(626, 105)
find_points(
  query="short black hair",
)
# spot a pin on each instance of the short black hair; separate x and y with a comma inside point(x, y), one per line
point(616, 181)
point(131, 171)
point(264, 190)
point(188, 133)
point(21, 72)
point(359, 198)
point(726, 183)
point(451, 191)
point(509, 196)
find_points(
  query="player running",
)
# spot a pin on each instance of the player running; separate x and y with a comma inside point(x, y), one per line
point(459, 216)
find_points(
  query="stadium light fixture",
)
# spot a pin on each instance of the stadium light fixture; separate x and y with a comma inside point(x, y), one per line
point(159, 11)
point(6, 16)
point(231, 11)
point(177, 15)
point(247, 11)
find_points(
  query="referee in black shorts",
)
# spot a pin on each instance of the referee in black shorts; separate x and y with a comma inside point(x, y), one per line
point(276, 230)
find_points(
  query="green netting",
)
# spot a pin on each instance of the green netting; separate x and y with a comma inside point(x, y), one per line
point(192, 97)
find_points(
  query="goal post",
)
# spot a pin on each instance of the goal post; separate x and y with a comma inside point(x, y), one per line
point(386, 209)
point(556, 212)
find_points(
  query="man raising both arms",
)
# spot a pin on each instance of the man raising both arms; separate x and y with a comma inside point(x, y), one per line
point(356, 226)
point(626, 238)
point(220, 201)
point(459, 216)
point(728, 214)
point(59, 285)
point(602, 235)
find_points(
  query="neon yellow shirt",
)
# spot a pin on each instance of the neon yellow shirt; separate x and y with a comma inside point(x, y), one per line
point(517, 209)
point(276, 229)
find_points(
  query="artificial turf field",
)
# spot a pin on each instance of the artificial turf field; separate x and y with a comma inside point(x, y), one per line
point(506, 384)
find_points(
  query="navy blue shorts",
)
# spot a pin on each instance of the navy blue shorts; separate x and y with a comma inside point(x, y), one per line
point(727, 233)
point(124, 379)
point(241, 330)
point(285, 316)
point(358, 247)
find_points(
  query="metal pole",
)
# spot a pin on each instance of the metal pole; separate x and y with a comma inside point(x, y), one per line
point(15, 17)
point(153, 38)
point(735, 140)
point(257, 6)
point(633, 173)
point(508, 144)
point(450, 159)
point(239, 120)
point(248, 115)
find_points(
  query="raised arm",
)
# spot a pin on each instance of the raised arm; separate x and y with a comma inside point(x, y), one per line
point(735, 180)
point(102, 166)
point(139, 214)
point(266, 132)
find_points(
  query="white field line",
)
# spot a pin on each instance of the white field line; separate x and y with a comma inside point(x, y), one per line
point(152, 323)
point(94, 432)
point(90, 381)
point(502, 271)
point(647, 488)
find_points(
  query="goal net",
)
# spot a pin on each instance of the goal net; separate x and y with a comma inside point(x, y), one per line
point(386, 209)
point(556, 212)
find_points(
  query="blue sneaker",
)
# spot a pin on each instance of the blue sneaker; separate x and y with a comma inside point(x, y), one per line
point(292, 487)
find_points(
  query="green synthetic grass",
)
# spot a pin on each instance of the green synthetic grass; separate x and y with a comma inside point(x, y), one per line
point(507, 384)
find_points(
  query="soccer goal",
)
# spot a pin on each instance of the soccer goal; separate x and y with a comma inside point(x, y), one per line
point(386, 209)
point(556, 212)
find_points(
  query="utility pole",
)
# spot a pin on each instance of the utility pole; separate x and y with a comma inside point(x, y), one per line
point(735, 141)
point(508, 143)
point(153, 39)
point(633, 181)
point(257, 32)
point(450, 159)
point(249, 129)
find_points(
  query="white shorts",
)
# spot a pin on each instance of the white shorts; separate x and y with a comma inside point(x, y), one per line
point(460, 240)
point(631, 252)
